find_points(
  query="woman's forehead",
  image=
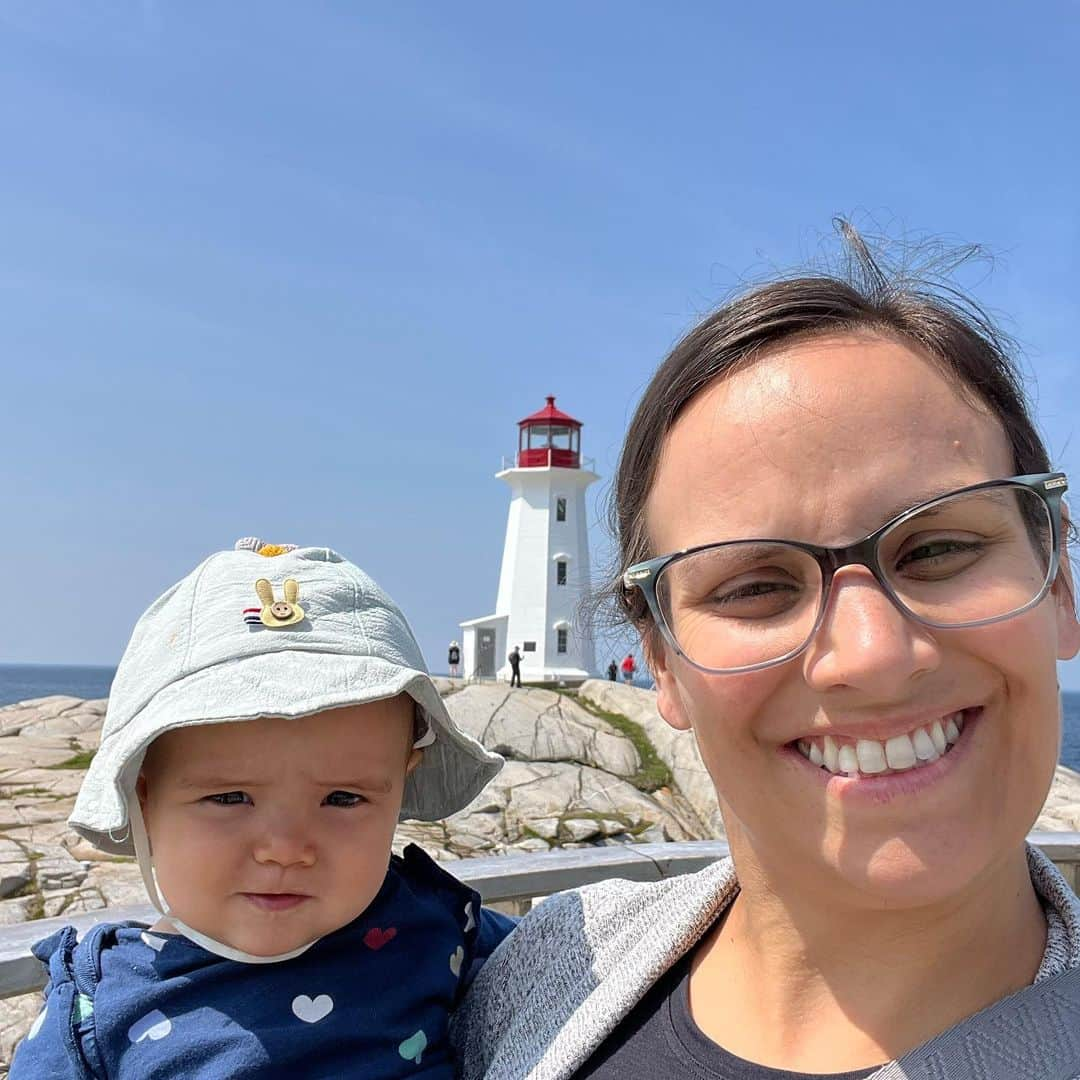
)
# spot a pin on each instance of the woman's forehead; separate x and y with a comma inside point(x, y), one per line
point(822, 440)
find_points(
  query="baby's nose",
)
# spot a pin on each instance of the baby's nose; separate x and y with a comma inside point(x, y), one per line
point(286, 844)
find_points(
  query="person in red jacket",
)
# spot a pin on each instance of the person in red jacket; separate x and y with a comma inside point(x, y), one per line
point(628, 668)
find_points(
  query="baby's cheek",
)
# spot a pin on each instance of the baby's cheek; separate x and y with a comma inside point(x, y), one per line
point(363, 849)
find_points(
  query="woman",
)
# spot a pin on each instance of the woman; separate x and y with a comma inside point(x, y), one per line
point(858, 613)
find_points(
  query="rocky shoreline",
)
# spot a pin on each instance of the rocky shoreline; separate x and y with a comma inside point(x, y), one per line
point(593, 768)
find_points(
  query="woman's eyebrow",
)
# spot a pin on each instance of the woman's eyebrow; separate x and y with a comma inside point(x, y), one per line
point(909, 503)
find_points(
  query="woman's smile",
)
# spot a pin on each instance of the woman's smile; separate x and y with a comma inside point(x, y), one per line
point(875, 771)
point(864, 752)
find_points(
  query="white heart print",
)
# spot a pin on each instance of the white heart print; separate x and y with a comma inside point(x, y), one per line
point(312, 1010)
point(470, 922)
point(455, 960)
point(35, 1027)
point(154, 1025)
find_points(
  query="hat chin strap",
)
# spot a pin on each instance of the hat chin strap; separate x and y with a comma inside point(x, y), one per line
point(157, 898)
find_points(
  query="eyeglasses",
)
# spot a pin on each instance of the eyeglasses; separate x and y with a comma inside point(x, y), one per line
point(969, 558)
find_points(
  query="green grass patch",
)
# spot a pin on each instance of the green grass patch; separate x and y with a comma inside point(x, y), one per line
point(29, 889)
point(597, 815)
point(652, 774)
point(36, 908)
point(530, 833)
point(81, 760)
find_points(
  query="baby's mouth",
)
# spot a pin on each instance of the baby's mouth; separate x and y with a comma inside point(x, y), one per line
point(275, 901)
point(846, 756)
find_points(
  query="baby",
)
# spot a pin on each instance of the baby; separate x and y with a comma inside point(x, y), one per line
point(270, 722)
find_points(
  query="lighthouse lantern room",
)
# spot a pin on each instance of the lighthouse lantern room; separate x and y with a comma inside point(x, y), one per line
point(545, 562)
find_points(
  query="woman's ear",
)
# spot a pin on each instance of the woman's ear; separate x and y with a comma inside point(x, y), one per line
point(1065, 601)
point(668, 701)
point(1064, 593)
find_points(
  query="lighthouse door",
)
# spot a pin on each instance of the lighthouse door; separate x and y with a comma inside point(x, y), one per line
point(485, 653)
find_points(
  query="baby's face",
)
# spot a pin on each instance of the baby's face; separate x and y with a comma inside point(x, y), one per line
point(269, 833)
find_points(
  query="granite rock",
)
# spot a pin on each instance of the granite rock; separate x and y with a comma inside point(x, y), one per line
point(677, 749)
point(541, 725)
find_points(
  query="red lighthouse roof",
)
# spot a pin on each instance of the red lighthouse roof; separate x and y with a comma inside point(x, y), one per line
point(549, 414)
point(549, 439)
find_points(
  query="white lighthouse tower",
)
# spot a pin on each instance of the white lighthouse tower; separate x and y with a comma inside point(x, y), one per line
point(545, 563)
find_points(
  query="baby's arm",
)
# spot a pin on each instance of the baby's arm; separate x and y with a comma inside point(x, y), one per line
point(51, 1047)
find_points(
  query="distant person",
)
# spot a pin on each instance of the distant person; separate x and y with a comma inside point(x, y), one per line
point(453, 657)
point(284, 915)
point(628, 668)
point(612, 672)
point(515, 666)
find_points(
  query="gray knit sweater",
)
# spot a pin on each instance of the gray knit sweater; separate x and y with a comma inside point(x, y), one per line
point(578, 963)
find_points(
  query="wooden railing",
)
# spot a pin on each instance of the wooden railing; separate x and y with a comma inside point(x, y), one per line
point(500, 879)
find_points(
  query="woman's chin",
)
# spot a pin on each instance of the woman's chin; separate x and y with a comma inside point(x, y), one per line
point(922, 870)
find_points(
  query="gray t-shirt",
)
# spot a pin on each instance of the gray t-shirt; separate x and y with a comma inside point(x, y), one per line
point(659, 1039)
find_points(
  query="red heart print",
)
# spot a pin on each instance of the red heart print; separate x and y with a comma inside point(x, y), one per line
point(376, 937)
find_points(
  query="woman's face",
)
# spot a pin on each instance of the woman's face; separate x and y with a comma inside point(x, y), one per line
point(824, 441)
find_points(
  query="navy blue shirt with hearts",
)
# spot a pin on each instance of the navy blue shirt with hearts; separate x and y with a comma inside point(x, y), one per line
point(371, 1000)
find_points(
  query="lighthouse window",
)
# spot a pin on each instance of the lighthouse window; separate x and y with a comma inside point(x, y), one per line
point(560, 509)
point(560, 438)
point(560, 575)
point(560, 641)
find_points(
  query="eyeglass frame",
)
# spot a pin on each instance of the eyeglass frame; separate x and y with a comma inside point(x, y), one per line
point(1050, 487)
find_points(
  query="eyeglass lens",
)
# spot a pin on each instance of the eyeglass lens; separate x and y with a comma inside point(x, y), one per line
point(965, 559)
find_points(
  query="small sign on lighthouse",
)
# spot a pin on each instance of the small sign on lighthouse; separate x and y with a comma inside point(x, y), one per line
point(545, 562)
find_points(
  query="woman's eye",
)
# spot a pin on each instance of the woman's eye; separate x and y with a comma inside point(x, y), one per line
point(752, 589)
point(343, 799)
point(229, 798)
point(755, 599)
point(942, 555)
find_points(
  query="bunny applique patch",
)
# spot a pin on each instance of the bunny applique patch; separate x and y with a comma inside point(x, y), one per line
point(278, 613)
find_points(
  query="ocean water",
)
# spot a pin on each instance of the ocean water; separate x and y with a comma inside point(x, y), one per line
point(19, 682)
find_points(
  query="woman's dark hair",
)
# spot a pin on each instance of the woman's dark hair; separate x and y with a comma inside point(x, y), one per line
point(865, 295)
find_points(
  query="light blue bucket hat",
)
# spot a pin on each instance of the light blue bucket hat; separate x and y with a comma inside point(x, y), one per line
point(244, 636)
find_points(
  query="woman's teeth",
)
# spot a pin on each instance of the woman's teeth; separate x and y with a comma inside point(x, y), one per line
point(869, 757)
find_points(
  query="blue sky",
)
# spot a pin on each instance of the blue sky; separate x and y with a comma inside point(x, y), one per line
point(297, 270)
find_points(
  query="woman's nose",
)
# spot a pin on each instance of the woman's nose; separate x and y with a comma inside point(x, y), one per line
point(866, 642)
point(284, 842)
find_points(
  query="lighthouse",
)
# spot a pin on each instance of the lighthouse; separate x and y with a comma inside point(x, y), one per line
point(545, 561)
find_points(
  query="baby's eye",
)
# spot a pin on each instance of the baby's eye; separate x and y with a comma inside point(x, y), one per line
point(229, 798)
point(343, 798)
